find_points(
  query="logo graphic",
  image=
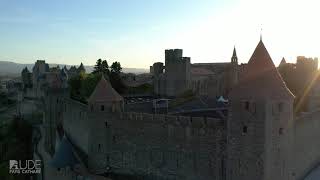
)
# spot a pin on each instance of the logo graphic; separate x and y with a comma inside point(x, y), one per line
point(13, 164)
point(25, 166)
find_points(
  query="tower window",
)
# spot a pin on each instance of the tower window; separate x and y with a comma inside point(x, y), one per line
point(113, 107)
point(246, 105)
point(280, 131)
point(99, 148)
point(102, 107)
point(253, 108)
point(106, 123)
point(108, 159)
point(280, 107)
point(244, 129)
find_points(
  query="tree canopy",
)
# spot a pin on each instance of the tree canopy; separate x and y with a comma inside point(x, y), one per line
point(101, 67)
point(116, 68)
point(84, 84)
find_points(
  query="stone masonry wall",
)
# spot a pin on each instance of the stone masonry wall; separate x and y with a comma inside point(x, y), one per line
point(162, 147)
point(306, 143)
point(151, 146)
point(75, 122)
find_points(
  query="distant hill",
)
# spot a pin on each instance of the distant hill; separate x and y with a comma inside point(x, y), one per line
point(8, 68)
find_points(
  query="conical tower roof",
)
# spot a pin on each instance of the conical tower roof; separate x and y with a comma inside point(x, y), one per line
point(81, 67)
point(25, 70)
point(104, 92)
point(64, 156)
point(63, 73)
point(234, 54)
point(262, 78)
point(283, 61)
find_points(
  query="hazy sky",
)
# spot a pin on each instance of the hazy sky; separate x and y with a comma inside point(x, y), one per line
point(136, 32)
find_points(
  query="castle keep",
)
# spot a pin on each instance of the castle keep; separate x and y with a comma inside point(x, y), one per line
point(260, 139)
point(179, 75)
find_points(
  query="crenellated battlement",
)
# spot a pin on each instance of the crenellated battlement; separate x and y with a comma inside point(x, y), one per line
point(307, 115)
point(177, 121)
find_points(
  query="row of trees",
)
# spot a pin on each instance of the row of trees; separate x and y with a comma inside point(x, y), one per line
point(103, 67)
point(83, 85)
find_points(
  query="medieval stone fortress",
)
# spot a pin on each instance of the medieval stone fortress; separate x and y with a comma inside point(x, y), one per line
point(243, 122)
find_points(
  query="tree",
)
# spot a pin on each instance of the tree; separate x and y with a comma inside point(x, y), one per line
point(98, 67)
point(105, 67)
point(88, 84)
point(82, 85)
point(101, 67)
point(115, 78)
point(75, 84)
point(116, 68)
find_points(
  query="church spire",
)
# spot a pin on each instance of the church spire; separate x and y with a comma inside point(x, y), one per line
point(234, 58)
point(283, 62)
point(234, 54)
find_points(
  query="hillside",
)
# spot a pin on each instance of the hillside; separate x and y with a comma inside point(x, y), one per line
point(9, 68)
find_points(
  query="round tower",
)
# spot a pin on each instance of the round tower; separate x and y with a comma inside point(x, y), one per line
point(158, 69)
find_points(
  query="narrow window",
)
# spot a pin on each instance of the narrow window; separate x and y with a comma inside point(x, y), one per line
point(91, 107)
point(177, 161)
point(253, 108)
point(106, 123)
point(223, 168)
point(113, 107)
point(102, 107)
point(244, 129)
point(108, 159)
point(114, 139)
point(246, 105)
point(280, 131)
point(280, 107)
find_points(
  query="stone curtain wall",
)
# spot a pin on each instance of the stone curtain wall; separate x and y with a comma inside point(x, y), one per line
point(151, 146)
point(163, 147)
point(75, 122)
point(306, 143)
point(52, 116)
